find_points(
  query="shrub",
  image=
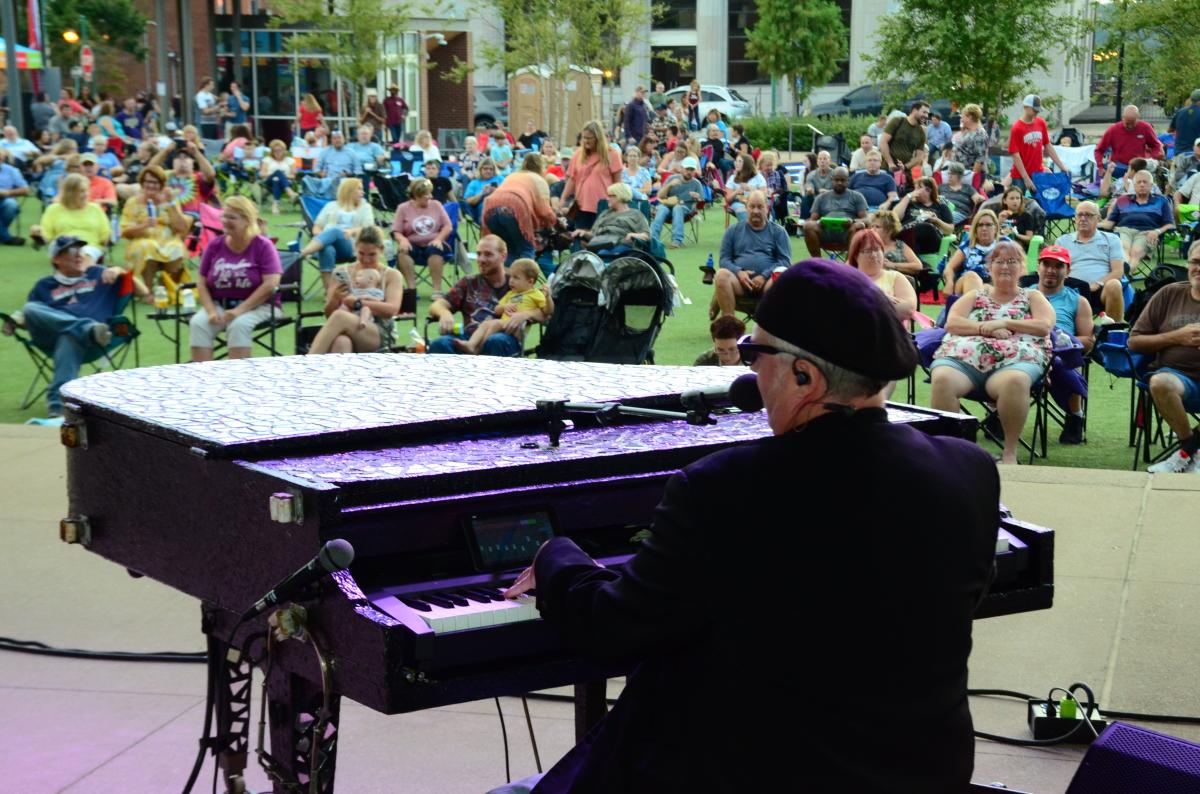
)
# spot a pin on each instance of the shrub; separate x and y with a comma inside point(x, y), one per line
point(773, 133)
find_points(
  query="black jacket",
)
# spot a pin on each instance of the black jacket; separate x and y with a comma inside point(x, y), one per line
point(802, 615)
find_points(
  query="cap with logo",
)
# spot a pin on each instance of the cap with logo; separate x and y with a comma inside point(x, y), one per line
point(1055, 252)
point(63, 242)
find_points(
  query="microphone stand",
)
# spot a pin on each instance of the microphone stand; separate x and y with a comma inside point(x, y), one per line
point(555, 412)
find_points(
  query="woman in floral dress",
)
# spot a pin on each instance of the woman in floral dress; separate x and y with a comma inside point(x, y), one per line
point(997, 343)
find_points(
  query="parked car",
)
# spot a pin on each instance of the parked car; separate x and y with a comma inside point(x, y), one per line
point(867, 100)
point(491, 103)
point(729, 102)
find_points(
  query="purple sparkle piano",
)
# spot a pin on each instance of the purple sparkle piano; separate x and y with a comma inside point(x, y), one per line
point(219, 479)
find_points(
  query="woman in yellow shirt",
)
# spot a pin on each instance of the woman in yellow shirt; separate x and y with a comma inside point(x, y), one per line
point(73, 214)
point(153, 226)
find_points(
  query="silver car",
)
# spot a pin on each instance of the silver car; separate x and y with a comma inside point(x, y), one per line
point(729, 102)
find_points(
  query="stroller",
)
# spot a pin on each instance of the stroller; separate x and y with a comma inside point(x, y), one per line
point(607, 312)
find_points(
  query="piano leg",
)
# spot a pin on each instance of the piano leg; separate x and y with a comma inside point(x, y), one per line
point(590, 706)
point(232, 713)
point(294, 705)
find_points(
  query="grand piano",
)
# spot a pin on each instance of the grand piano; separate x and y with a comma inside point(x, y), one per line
point(220, 478)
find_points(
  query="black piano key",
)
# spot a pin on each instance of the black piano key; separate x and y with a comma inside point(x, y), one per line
point(416, 604)
point(492, 593)
point(437, 600)
point(456, 599)
point(476, 596)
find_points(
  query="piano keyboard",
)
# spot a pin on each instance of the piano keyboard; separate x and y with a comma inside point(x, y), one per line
point(468, 608)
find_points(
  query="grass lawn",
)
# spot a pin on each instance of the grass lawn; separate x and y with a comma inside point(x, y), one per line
point(684, 336)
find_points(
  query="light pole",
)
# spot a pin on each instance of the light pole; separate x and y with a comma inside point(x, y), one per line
point(78, 37)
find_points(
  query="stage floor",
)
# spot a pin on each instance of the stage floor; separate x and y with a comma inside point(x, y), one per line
point(1124, 621)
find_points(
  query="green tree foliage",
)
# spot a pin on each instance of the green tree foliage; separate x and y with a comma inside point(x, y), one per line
point(798, 39)
point(1162, 51)
point(351, 32)
point(974, 50)
point(114, 26)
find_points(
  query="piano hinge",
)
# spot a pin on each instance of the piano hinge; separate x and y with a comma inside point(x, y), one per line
point(75, 529)
point(73, 434)
point(287, 507)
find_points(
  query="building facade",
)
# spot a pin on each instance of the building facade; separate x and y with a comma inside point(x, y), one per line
point(712, 35)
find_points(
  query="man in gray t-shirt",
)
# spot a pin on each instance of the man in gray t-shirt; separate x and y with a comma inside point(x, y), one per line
point(1097, 258)
point(840, 202)
point(750, 251)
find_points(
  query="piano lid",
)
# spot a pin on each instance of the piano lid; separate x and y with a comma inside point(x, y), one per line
point(255, 407)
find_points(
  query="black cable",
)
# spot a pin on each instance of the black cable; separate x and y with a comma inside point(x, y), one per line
point(504, 733)
point(42, 649)
point(1129, 715)
point(567, 698)
point(208, 713)
point(1084, 724)
point(537, 759)
point(1132, 715)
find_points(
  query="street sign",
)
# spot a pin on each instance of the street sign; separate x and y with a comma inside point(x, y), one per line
point(87, 61)
point(76, 71)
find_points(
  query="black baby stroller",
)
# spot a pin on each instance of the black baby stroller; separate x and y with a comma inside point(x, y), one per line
point(575, 288)
point(608, 312)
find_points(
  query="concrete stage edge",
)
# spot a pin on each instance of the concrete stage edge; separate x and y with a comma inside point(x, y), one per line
point(1124, 621)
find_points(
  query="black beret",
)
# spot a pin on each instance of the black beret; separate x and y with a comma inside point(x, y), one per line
point(834, 311)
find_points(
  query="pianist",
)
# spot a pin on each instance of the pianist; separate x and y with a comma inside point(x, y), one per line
point(789, 629)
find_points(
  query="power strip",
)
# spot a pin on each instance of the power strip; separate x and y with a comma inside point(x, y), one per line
point(1050, 722)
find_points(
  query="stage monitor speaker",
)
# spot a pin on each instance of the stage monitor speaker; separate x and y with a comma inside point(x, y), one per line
point(1126, 759)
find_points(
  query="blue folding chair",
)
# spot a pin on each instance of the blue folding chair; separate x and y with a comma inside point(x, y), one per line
point(1145, 426)
point(114, 354)
point(1052, 191)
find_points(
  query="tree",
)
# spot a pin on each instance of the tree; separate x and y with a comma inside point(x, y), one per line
point(113, 26)
point(974, 50)
point(1161, 54)
point(350, 32)
point(798, 40)
point(557, 36)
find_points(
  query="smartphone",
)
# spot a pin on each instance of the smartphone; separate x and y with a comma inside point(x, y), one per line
point(342, 276)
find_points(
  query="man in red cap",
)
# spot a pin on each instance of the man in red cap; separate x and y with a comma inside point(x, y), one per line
point(881, 627)
point(1073, 317)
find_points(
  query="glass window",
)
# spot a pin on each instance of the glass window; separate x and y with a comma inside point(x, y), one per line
point(677, 15)
point(274, 87)
point(271, 42)
point(672, 74)
point(843, 73)
point(743, 14)
point(225, 41)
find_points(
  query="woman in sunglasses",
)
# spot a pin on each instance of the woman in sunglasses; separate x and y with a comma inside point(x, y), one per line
point(996, 346)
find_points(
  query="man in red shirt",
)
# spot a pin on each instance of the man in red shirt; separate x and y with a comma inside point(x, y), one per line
point(1029, 142)
point(1129, 138)
point(100, 189)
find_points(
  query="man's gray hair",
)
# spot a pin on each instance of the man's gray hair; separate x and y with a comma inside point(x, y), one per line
point(842, 383)
point(840, 171)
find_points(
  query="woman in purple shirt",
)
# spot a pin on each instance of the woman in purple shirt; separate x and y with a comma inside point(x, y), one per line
point(239, 272)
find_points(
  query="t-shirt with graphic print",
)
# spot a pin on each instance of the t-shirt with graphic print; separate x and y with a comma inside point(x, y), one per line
point(234, 275)
point(420, 224)
point(1028, 141)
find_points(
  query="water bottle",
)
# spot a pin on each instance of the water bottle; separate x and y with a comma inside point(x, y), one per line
point(418, 341)
point(187, 300)
point(161, 298)
point(152, 210)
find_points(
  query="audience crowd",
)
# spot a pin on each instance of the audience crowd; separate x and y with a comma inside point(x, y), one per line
point(917, 206)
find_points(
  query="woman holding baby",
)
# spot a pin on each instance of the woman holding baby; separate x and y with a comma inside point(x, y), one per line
point(359, 320)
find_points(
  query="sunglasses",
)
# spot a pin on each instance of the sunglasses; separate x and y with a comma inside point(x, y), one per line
point(750, 351)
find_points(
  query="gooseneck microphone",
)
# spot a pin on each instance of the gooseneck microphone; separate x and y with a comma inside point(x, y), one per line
point(336, 555)
point(741, 394)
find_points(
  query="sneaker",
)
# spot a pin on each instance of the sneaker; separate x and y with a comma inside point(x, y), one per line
point(101, 334)
point(1072, 430)
point(13, 241)
point(1180, 462)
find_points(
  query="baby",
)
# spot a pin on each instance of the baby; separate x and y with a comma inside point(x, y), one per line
point(366, 285)
point(522, 296)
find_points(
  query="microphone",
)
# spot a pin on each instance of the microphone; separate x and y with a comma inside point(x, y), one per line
point(741, 394)
point(336, 555)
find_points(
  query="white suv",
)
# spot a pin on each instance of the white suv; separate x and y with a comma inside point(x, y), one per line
point(729, 102)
